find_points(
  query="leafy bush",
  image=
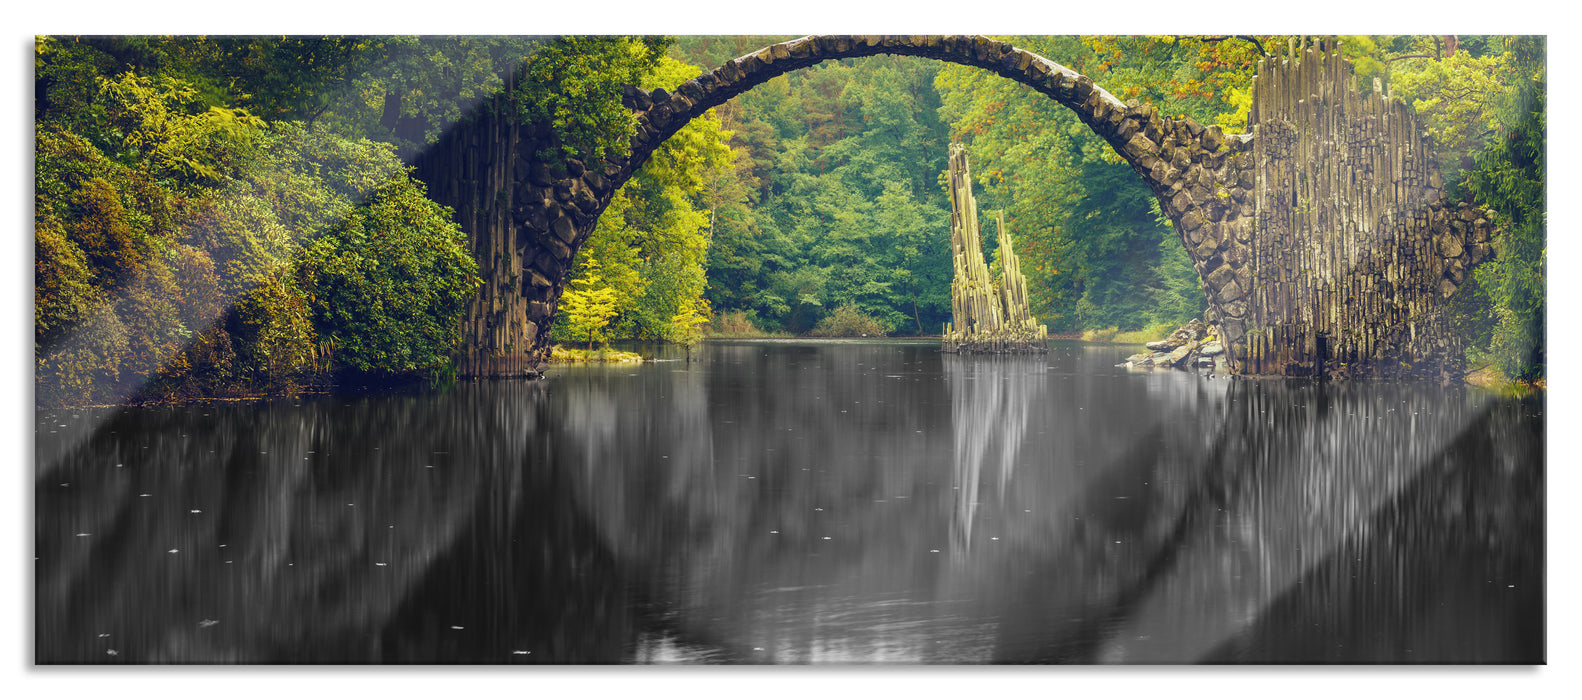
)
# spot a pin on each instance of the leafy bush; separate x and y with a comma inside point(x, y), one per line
point(1101, 335)
point(847, 321)
point(390, 282)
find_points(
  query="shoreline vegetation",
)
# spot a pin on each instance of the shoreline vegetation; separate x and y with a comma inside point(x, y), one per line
point(213, 219)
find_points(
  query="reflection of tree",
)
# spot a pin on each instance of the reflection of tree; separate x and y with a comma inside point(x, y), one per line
point(322, 532)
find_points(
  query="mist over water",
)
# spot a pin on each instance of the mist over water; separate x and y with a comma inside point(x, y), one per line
point(798, 502)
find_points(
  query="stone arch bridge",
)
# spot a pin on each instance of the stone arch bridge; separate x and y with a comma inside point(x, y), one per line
point(1321, 236)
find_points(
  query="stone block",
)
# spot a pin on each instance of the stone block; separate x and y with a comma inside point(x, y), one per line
point(564, 229)
point(1212, 138)
point(1229, 293)
point(539, 174)
point(557, 248)
point(1139, 147)
point(1221, 276)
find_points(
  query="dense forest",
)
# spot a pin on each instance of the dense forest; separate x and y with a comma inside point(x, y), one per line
point(218, 215)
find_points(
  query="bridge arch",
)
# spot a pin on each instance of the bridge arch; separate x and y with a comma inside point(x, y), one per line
point(1187, 166)
point(1282, 303)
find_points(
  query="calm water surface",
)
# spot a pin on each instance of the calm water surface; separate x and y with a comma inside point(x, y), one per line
point(795, 502)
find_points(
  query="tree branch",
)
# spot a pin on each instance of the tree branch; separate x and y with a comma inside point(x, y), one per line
point(1393, 59)
point(1243, 37)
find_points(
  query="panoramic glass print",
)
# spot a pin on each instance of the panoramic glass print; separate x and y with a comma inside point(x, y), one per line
point(780, 350)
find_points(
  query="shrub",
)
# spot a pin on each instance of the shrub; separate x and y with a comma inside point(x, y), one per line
point(390, 282)
point(848, 322)
point(1100, 335)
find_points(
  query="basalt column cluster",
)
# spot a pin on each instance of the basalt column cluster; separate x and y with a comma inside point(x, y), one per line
point(988, 316)
point(525, 217)
point(1356, 249)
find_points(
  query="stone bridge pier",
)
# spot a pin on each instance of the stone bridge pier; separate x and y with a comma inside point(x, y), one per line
point(1320, 237)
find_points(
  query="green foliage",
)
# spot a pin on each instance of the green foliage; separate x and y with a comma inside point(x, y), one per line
point(650, 248)
point(62, 289)
point(847, 321)
point(587, 306)
point(574, 84)
point(390, 282)
point(185, 248)
point(832, 196)
point(686, 327)
point(1509, 178)
point(85, 364)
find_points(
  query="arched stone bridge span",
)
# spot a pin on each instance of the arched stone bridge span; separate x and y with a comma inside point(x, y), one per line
point(1319, 237)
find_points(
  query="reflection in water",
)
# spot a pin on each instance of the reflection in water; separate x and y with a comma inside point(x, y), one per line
point(990, 398)
point(343, 530)
point(802, 503)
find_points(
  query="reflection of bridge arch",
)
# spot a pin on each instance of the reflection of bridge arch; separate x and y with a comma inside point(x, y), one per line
point(1318, 238)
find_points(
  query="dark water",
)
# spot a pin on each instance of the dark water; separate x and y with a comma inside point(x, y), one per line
point(786, 502)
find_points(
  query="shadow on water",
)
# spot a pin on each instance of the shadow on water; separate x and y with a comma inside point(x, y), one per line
point(782, 502)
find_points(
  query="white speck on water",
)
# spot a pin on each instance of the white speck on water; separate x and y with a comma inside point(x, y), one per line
point(224, 545)
point(774, 532)
point(520, 652)
point(144, 495)
point(195, 510)
point(173, 551)
point(380, 563)
point(118, 464)
point(65, 484)
point(1511, 586)
point(1117, 541)
point(457, 627)
point(1027, 510)
point(758, 648)
point(428, 466)
point(105, 635)
point(228, 561)
point(996, 539)
point(818, 509)
point(752, 477)
point(208, 623)
point(84, 534)
point(935, 551)
point(829, 538)
point(111, 652)
point(352, 505)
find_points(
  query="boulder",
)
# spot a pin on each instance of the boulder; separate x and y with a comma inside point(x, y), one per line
point(1211, 348)
point(1181, 353)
